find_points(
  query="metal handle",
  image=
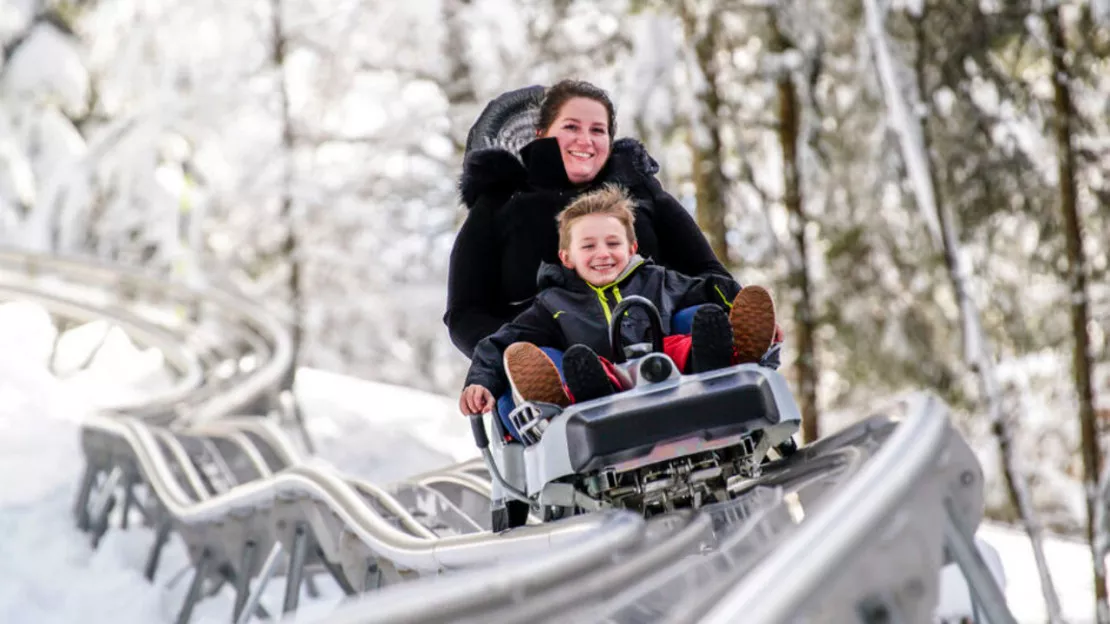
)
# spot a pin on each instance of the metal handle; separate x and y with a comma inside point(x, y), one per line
point(615, 325)
point(478, 428)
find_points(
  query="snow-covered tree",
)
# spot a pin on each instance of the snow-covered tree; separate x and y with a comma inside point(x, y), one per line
point(314, 165)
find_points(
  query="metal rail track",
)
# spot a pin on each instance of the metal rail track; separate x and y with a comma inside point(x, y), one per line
point(852, 528)
point(244, 350)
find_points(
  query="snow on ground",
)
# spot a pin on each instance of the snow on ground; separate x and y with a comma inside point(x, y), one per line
point(1068, 560)
point(380, 432)
point(50, 574)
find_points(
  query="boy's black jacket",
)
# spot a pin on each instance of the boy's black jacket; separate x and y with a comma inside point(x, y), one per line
point(510, 229)
point(568, 311)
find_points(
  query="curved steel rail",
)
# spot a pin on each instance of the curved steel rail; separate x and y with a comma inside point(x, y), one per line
point(262, 349)
point(341, 518)
point(306, 483)
point(184, 363)
point(767, 550)
point(826, 541)
point(933, 462)
point(236, 488)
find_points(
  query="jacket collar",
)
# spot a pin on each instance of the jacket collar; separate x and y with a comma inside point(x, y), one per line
point(496, 170)
point(634, 262)
point(544, 163)
point(557, 275)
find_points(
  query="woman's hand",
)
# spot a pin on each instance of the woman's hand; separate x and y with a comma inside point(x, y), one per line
point(475, 399)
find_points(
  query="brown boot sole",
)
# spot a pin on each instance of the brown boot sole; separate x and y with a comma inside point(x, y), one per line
point(753, 323)
point(533, 375)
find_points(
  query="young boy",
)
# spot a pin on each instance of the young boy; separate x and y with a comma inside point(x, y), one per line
point(597, 248)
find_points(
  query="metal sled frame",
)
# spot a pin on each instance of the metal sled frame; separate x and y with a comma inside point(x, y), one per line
point(565, 450)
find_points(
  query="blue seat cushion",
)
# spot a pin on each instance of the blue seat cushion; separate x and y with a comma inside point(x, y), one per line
point(683, 320)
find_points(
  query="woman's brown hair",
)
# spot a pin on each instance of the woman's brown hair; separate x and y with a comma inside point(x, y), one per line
point(565, 90)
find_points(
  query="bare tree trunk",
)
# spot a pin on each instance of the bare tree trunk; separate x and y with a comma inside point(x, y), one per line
point(459, 87)
point(1077, 285)
point(289, 247)
point(978, 352)
point(805, 327)
point(705, 133)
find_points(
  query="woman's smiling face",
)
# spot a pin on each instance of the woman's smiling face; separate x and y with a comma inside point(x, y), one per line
point(582, 130)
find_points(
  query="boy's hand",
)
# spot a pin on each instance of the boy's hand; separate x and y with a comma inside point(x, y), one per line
point(475, 399)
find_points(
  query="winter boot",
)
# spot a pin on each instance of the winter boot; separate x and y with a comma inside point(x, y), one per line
point(586, 376)
point(710, 340)
point(533, 376)
point(753, 323)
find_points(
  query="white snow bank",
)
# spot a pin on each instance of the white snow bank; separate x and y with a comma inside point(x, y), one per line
point(48, 570)
point(36, 428)
point(98, 356)
point(26, 333)
point(47, 66)
point(15, 16)
point(100, 363)
point(1069, 562)
point(381, 432)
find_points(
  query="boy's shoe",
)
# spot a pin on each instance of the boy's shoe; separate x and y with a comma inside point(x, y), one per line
point(753, 323)
point(586, 376)
point(533, 376)
point(710, 340)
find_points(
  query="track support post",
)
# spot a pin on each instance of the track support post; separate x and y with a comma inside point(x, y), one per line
point(193, 596)
point(296, 569)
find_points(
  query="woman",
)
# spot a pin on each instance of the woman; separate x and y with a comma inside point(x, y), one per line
point(510, 228)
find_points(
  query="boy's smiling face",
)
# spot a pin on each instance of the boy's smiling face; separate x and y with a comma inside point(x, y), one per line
point(599, 248)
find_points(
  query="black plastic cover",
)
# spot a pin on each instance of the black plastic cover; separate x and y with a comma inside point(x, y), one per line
point(628, 426)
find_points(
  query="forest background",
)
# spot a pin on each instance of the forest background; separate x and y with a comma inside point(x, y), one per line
point(923, 183)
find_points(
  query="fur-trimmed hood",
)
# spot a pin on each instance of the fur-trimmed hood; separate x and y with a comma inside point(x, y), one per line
point(498, 171)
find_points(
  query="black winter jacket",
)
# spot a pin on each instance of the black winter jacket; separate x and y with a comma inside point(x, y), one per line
point(568, 310)
point(510, 229)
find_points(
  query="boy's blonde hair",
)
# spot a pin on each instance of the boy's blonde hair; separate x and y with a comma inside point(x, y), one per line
point(609, 200)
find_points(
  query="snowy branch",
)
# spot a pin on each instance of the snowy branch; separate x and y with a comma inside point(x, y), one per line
point(906, 125)
point(978, 351)
point(1100, 12)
